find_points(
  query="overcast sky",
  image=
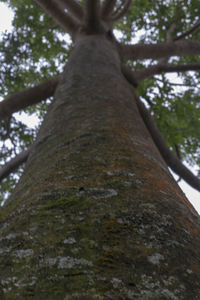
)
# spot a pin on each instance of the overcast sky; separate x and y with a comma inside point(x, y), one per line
point(5, 24)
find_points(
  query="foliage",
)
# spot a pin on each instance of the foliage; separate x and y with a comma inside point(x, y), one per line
point(37, 49)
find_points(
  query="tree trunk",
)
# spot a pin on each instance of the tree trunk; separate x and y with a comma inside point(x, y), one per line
point(97, 214)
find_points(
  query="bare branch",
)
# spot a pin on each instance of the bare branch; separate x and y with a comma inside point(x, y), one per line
point(188, 32)
point(74, 8)
point(92, 16)
point(122, 12)
point(170, 31)
point(178, 153)
point(170, 158)
point(160, 68)
point(13, 164)
point(144, 51)
point(169, 38)
point(59, 15)
point(27, 97)
point(107, 8)
point(119, 7)
point(182, 84)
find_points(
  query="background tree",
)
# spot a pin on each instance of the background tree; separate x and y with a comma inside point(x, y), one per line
point(167, 46)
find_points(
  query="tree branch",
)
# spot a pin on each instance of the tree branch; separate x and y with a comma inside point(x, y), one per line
point(13, 164)
point(144, 51)
point(170, 158)
point(178, 153)
point(188, 32)
point(59, 15)
point(160, 68)
point(92, 23)
point(107, 8)
point(74, 8)
point(129, 75)
point(170, 31)
point(122, 12)
point(169, 38)
point(27, 97)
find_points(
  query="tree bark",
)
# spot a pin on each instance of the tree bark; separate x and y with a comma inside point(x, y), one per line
point(156, 51)
point(96, 214)
point(27, 97)
point(13, 164)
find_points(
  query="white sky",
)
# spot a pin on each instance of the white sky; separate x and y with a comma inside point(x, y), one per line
point(5, 24)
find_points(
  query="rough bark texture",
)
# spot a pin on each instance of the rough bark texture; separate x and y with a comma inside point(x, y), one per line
point(96, 214)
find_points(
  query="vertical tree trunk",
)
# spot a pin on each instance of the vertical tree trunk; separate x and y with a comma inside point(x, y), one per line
point(96, 214)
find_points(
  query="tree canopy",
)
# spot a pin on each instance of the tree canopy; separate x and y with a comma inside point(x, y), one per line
point(157, 39)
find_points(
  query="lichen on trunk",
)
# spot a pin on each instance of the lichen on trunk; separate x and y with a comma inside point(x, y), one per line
point(96, 214)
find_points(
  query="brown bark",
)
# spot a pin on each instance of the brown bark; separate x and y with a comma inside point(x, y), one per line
point(130, 75)
point(74, 8)
point(27, 97)
point(107, 8)
point(54, 9)
point(96, 213)
point(92, 21)
point(143, 51)
point(13, 164)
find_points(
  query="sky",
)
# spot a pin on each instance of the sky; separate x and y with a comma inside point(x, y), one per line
point(5, 24)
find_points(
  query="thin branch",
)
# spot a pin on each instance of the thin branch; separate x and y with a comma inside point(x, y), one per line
point(169, 38)
point(145, 51)
point(178, 153)
point(170, 31)
point(183, 84)
point(160, 68)
point(170, 158)
point(107, 8)
point(27, 97)
point(122, 12)
point(119, 8)
point(188, 32)
point(148, 100)
point(59, 15)
point(92, 22)
point(14, 163)
point(74, 8)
